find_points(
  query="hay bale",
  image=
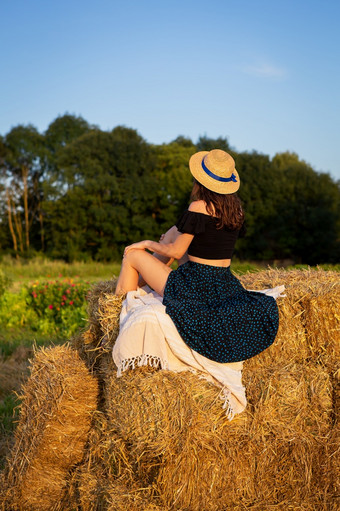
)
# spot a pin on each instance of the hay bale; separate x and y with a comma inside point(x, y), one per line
point(322, 322)
point(95, 343)
point(303, 334)
point(58, 401)
point(161, 440)
point(173, 442)
point(90, 479)
point(179, 442)
point(292, 417)
point(309, 315)
point(105, 479)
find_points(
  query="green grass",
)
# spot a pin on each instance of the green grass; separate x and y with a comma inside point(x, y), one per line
point(326, 267)
point(8, 413)
point(240, 268)
point(23, 272)
point(11, 339)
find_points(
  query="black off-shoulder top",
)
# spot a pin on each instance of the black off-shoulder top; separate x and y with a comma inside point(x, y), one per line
point(208, 242)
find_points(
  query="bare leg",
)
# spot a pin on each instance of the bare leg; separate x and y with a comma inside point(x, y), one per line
point(154, 272)
point(169, 237)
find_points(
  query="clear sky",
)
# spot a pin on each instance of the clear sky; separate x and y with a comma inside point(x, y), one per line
point(263, 73)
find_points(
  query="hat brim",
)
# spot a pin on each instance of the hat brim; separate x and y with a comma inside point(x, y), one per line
point(196, 169)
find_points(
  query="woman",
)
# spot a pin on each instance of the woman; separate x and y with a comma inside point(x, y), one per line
point(212, 311)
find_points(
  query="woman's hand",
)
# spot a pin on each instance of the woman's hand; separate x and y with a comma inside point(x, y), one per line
point(141, 245)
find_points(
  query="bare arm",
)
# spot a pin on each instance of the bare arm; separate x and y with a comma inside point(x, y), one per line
point(169, 237)
point(174, 249)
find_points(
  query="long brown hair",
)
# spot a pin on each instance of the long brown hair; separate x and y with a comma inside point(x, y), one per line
point(226, 207)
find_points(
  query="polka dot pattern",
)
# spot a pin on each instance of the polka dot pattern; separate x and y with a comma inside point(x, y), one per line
point(216, 316)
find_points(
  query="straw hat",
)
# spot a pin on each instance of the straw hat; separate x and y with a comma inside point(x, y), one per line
point(215, 170)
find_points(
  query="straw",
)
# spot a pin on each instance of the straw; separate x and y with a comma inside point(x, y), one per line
point(55, 418)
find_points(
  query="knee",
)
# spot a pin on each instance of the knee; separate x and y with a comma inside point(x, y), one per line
point(131, 256)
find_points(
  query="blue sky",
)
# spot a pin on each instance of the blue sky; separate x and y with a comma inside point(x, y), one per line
point(264, 74)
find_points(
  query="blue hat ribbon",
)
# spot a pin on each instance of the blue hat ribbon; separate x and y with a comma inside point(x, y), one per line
point(218, 178)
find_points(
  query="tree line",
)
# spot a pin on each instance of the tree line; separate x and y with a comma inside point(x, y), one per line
point(76, 192)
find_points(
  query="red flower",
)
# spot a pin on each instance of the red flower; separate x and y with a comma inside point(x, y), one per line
point(62, 303)
point(70, 303)
point(64, 297)
point(68, 291)
point(50, 306)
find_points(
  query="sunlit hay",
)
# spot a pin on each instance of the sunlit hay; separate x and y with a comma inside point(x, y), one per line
point(336, 392)
point(168, 442)
point(276, 277)
point(291, 342)
point(290, 400)
point(322, 320)
point(292, 416)
point(332, 444)
point(96, 342)
point(175, 400)
point(174, 429)
point(105, 480)
point(91, 478)
point(294, 420)
point(55, 418)
point(94, 298)
point(309, 315)
point(331, 460)
point(175, 436)
point(123, 498)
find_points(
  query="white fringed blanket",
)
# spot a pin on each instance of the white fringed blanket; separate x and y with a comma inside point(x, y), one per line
point(148, 336)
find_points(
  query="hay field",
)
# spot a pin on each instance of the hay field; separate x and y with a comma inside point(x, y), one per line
point(156, 440)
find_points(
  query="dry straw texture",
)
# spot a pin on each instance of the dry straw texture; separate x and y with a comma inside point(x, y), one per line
point(310, 315)
point(95, 343)
point(171, 446)
point(160, 440)
point(55, 418)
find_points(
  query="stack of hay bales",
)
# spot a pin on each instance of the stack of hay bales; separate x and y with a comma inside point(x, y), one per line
point(58, 402)
point(161, 441)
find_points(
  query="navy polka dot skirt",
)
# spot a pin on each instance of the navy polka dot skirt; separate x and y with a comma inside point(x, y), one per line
point(216, 316)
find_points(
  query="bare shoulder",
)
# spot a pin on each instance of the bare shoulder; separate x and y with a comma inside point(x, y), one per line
point(198, 206)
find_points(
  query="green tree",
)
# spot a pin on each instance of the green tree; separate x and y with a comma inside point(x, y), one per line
point(309, 222)
point(291, 210)
point(63, 130)
point(258, 192)
point(22, 174)
point(173, 182)
point(4, 240)
point(105, 201)
point(205, 143)
point(185, 142)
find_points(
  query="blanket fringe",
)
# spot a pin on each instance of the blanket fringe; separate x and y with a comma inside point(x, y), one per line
point(224, 395)
point(141, 360)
